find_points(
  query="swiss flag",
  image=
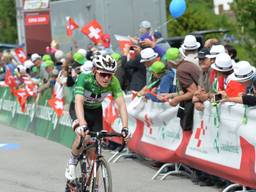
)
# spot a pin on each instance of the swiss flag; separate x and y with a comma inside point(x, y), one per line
point(93, 31)
point(21, 95)
point(124, 42)
point(21, 55)
point(71, 26)
point(57, 105)
point(10, 81)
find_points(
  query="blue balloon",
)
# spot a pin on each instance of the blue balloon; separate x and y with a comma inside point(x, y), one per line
point(177, 8)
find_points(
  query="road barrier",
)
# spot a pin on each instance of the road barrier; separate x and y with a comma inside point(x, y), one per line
point(222, 142)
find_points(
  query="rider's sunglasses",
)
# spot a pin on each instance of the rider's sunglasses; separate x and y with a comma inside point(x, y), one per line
point(104, 75)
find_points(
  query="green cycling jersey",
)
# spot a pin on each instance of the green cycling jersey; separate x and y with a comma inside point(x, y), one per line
point(94, 94)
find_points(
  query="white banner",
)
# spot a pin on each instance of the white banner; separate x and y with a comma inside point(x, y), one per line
point(215, 135)
point(161, 125)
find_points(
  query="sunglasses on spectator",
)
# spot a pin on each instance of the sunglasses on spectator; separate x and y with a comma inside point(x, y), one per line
point(104, 75)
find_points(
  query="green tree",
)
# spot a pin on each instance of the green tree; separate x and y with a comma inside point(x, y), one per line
point(199, 15)
point(245, 11)
point(8, 25)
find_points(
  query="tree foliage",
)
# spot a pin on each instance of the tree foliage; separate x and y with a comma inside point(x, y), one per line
point(245, 11)
point(199, 15)
point(8, 25)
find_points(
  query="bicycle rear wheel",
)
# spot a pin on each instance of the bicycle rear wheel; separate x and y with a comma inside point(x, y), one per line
point(103, 180)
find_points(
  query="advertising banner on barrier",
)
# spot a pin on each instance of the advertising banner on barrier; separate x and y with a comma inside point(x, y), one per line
point(217, 140)
point(161, 125)
point(220, 142)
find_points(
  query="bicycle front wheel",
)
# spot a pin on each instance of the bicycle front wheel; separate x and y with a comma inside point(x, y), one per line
point(103, 180)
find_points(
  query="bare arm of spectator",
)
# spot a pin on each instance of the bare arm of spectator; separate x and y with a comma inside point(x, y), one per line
point(186, 96)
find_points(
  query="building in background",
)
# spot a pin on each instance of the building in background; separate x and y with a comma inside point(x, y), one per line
point(221, 6)
point(120, 17)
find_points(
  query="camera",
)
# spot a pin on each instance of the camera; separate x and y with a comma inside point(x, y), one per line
point(217, 97)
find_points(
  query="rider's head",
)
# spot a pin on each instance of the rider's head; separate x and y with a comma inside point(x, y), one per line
point(104, 68)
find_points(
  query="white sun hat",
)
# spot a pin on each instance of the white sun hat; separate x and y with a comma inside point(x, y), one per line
point(82, 51)
point(59, 54)
point(28, 64)
point(148, 54)
point(86, 67)
point(215, 50)
point(223, 63)
point(145, 24)
point(190, 43)
point(34, 57)
point(243, 71)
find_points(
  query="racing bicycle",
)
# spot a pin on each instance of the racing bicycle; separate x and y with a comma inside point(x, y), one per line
point(95, 175)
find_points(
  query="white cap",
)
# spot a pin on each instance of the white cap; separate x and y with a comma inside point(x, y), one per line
point(148, 54)
point(243, 71)
point(59, 55)
point(82, 51)
point(190, 43)
point(86, 67)
point(223, 63)
point(34, 57)
point(215, 50)
point(145, 24)
point(28, 64)
point(21, 68)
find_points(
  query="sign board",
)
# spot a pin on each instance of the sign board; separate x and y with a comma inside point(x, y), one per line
point(36, 4)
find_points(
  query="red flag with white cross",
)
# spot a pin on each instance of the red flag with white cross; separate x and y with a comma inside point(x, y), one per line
point(21, 55)
point(22, 96)
point(124, 43)
point(93, 31)
point(57, 105)
point(71, 26)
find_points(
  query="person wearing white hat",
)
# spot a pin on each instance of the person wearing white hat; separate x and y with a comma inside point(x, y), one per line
point(82, 51)
point(240, 79)
point(245, 74)
point(189, 49)
point(148, 57)
point(223, 67)
point(86, 67)
point(215, 50)
point(145, 26)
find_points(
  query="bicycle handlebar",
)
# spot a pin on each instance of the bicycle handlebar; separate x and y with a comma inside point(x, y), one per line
point(103, 134)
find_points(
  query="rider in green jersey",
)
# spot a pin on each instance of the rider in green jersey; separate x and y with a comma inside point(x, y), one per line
point(86, 109)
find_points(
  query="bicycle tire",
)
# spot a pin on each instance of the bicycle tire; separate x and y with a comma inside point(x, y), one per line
point(103, 181)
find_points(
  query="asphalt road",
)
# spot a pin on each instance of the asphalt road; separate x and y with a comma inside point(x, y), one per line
point(34, 164)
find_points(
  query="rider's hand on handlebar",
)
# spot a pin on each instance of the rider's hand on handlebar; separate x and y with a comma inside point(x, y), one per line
point(82, 130)
point(125, 133)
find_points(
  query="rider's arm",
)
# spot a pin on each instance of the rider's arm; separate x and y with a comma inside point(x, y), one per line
point(122, 110)
point(79, 107)
point(79, 99)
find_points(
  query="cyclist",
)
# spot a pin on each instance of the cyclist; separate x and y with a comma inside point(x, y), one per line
point(86, 109)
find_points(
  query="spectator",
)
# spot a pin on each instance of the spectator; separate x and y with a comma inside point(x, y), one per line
point(188, 77)
point(210, 42)
point(215, 50)
point(6, 63)
point(163, 81)
point(58, 55)
point(74, 69)
point(245, 74)
point(232, 52)
point(189, 49)
point(135, 71)
point(148, 57)
point(160, 41)
point(204, 86)
point(172, 57)
point(223, 67)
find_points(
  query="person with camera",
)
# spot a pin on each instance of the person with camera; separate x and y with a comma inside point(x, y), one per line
point(86, 109)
